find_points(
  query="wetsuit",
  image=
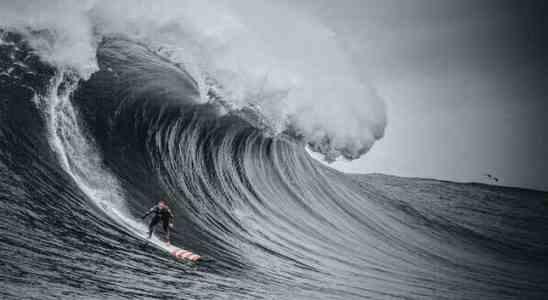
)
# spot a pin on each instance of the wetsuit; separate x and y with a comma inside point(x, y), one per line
point(161, 213)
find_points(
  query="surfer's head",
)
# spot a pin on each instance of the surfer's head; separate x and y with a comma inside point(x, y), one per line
point(162, 202)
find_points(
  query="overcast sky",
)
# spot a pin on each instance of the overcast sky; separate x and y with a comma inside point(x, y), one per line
point(465, 83)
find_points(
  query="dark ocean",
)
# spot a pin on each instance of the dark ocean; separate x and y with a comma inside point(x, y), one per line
point(81, 159)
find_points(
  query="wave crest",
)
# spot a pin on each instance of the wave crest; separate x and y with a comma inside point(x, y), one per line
point(285, 65)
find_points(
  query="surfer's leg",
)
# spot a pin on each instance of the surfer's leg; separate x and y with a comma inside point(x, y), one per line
point(153, 223)
point(165, 224)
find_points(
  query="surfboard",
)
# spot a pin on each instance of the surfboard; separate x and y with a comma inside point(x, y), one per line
point(177, 252)
point(182, 254)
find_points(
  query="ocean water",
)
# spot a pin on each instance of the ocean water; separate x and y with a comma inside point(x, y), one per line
point(85, 151)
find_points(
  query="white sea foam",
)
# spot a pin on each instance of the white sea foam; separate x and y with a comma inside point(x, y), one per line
point(80, 158)
point(282, 61)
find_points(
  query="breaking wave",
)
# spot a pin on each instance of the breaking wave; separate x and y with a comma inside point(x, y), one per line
point(105, 109)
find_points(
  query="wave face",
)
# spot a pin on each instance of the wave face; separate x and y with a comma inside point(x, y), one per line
point(82, 157)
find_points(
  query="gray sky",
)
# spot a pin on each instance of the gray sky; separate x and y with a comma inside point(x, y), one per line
point(465, 83)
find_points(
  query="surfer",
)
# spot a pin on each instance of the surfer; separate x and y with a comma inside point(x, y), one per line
point(163, 213)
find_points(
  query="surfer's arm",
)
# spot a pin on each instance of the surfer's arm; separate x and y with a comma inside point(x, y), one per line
point(149, 212)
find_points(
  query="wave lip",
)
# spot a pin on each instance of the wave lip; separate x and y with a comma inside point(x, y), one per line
point(246, 64)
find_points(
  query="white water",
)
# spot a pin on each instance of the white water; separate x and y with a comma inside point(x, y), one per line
point(80, 158)
point(278, 59)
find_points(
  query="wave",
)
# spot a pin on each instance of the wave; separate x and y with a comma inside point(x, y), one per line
point(90, 141)
point(292, 71)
